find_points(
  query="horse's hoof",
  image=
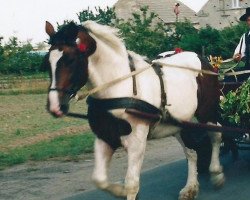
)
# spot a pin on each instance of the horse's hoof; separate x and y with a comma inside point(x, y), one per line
point(136, 197)
point(117, 190)
point(189, 192)
point(218, 179)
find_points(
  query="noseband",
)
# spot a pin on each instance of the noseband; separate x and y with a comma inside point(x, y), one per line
point(70, 92)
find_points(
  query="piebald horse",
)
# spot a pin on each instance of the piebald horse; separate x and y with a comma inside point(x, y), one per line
point(94, 54)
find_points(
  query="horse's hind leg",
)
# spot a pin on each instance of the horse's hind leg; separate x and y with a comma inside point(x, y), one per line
point(103, 155)
point(215, 168)
point(191, 189)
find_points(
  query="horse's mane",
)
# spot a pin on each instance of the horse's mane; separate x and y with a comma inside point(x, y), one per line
point(107, 34)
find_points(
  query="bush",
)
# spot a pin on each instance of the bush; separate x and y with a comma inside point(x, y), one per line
point(235, 108)
point(16, 57)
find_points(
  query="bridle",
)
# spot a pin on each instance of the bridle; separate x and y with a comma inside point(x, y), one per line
point(71, 92)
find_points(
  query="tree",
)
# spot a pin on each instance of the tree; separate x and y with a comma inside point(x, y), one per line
point(1, 50)
point(103, 16)
point(230, 37)
point(210, 39)
point(16, 58)
point(183, 29)
point(41, 46)
point(144, 34)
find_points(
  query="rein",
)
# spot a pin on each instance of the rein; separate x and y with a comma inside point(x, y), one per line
point(227, 131)
point(136, 72)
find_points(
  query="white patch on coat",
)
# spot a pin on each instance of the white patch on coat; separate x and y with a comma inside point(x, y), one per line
point(103, 154)
point(192, 185)
point(181, 85)
point(215, 168)
point(55, 55)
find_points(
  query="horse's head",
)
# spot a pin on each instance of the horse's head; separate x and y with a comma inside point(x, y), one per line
point(67, 62)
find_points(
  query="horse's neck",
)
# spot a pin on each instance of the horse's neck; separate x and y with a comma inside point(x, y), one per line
point(106, 65)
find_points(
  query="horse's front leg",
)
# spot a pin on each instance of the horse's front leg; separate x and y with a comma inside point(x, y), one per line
point(103, 155)
point(215, 168)
point(135, 144)
point(191, 189)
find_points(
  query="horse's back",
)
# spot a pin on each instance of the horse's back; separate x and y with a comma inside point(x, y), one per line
point(181, 85)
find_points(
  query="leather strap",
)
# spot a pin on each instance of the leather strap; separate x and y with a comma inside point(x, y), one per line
point(123, 103)
point(159, 73)
point(132, 68)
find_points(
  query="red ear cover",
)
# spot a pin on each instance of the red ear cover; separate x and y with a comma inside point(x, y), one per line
point(82, 47)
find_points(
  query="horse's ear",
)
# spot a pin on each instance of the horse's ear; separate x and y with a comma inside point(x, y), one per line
point(49, 29)
point(86, 43)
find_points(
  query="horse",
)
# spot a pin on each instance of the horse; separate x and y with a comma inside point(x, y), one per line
point(91, 55)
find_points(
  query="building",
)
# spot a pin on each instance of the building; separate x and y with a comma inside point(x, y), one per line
point(222, 13)
point(216, 13)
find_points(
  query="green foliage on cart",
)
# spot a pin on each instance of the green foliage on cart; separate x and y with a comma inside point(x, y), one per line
point(235, 107)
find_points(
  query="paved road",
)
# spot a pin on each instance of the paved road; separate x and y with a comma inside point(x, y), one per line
point(164, 183)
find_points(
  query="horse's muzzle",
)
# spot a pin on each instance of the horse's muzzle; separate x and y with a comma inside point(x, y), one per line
point(58, 112)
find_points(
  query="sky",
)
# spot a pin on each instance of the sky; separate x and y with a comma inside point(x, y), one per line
point(25, 19)
point(196, 5)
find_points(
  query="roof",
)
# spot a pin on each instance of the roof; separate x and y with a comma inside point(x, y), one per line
point(164, 8)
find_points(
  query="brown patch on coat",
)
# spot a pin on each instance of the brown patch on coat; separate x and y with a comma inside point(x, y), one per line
point(208, 95)
point(107, 127)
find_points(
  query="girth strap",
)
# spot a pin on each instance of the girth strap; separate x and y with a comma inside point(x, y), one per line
point(132, 68)
point(123, 103)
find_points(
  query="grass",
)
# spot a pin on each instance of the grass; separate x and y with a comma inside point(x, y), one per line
point(70, 146)
point(24, 91)
point(24, 116)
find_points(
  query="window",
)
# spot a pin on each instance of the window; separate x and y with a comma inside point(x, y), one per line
point(235, 3)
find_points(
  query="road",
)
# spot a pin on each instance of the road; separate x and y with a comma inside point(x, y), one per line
point(164, 182)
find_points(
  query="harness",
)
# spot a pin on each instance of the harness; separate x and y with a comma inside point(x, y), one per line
point(110, 128)
point(132, 69)
point(131, 103)
point(71, 92)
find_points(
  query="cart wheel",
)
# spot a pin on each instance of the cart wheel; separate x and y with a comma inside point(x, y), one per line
point(230, 145)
